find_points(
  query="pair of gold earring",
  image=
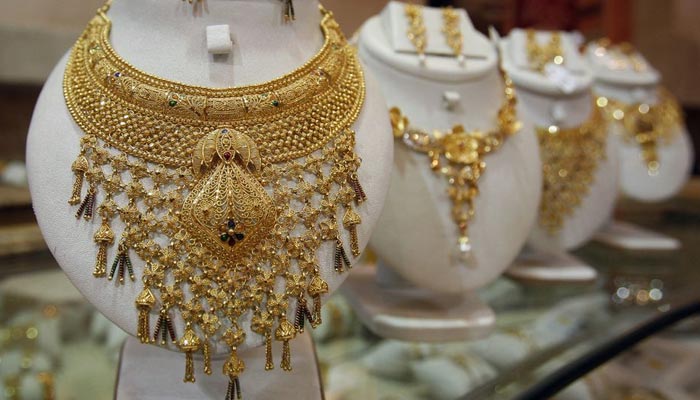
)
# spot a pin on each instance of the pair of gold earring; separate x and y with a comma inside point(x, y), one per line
point(288, 8)
point(450, 30)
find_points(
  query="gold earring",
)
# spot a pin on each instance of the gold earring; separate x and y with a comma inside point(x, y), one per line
point(289, 10)
point(416, 29)
point(452, 32)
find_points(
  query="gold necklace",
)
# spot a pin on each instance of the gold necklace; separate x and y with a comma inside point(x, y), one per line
point(540, 55)
point(570, 158)
point(647, 125)
point(458, 155)
point(226, 195)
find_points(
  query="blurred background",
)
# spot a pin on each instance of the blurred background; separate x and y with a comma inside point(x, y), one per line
point(50, 338)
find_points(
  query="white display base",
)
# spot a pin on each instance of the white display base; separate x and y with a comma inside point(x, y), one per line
point(151, 373)
point(628, 236)
point(414, 314)
point(551, 267)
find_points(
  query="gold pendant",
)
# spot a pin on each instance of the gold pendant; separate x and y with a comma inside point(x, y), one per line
point(228, 210)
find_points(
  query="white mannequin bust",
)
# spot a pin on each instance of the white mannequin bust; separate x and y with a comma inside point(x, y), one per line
point(416, 236)
point(545, 103)
point(675, 157)
point(167, 39)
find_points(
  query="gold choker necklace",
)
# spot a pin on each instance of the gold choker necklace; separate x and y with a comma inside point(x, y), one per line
point(226, 195)
point(458, 155)
point(645, 124)
point(570, 158)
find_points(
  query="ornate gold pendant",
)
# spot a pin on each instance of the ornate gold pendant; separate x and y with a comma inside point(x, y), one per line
point(227, 210)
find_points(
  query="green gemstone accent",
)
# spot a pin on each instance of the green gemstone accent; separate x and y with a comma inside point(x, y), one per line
point(224, 237)
point(172, 103)
point(275, 103)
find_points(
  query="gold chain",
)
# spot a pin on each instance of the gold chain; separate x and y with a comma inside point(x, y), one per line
point(647, 125)
point(540, 55)
point(458, 155)
point(226, 195)
point(416, 29)
point(570, 158)
point(452, 32)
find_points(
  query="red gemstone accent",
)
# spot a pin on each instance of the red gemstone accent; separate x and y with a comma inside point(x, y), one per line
point(227, 155)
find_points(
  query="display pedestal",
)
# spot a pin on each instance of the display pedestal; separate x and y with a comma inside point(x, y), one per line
point(151, 373)
point(537, 266)
point(405, 312)
point(627, 236)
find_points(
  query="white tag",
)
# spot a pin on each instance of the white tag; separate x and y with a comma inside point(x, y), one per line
point(219, 39)
point(450, 99)
point(561, 77)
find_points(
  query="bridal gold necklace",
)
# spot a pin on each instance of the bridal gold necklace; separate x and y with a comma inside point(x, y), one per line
point(459, 155)
point(226, 196)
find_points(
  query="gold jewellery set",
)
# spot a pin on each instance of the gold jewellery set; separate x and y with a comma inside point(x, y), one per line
point(417, 32)
point(459, 156)
point(539, 55)
point(647, 125)
point(226, 196)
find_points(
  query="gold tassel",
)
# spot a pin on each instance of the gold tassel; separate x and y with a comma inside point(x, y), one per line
point(86, 207)
point(104, 237)
point(341, 258)
point(354, 182)
point(207, 356)
point(269, 365)
point(285, 332)
point(301, 315)
point(79, 167)
point(350, 221)
point(289, 10)
point(144, 303)
point(122, 263)
point(316, 288)
point(286, 363)
point(189, 343)
point(233, 367)
point(164, 327)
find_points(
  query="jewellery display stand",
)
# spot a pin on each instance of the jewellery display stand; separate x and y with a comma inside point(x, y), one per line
point(636, 182)
point(141, 368)
point(564, 100)
point(416, 237)
point(392, 307)
point(632, 237)
point(168, 40)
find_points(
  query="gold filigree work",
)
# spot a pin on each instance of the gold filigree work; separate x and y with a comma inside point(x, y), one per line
point(459, 155)
point(227, 196)
point(570, 159)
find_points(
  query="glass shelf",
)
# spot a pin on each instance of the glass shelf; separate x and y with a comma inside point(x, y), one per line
point(540, 327)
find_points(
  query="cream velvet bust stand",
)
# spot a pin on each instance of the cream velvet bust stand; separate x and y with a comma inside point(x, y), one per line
point(675, 157)
point(167, 38)
point(416, 238)
point(545, 103)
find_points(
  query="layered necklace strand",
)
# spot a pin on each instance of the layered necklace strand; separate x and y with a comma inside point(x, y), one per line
point(570, 159)
point(227, 196)
point(458, 155)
